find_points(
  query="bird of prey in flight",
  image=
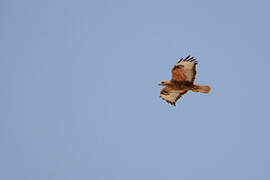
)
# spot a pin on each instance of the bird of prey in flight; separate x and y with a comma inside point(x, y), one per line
point(183, 76)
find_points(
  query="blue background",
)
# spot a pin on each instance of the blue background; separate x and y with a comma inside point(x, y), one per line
point(79, 94)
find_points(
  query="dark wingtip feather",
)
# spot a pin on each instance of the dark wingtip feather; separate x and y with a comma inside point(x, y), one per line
point(192, 59)
point(171, 103)
point(180, 60)
point(188, 59)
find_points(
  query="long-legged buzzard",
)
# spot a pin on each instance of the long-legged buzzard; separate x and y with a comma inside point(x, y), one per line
point(183, 76)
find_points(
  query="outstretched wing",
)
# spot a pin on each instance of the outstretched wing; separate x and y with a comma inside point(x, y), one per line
point(171, 95)
point(185, 70)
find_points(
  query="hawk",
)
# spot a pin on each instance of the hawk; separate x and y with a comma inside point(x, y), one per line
point(183, 76)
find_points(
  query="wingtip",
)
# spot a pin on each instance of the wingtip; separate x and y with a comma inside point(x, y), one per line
point(171, 103)
point(180, 60)
point(189, 58)
point(192, 59)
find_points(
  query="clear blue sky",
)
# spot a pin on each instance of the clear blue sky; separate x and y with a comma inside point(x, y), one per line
point(79, 93)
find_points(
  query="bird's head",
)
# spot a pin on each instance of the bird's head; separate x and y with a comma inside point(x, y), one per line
point(164, 82)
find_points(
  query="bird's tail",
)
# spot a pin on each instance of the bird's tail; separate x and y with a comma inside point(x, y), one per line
point(201, 88)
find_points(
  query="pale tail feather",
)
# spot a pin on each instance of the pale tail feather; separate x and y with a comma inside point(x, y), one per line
point(201, 88)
